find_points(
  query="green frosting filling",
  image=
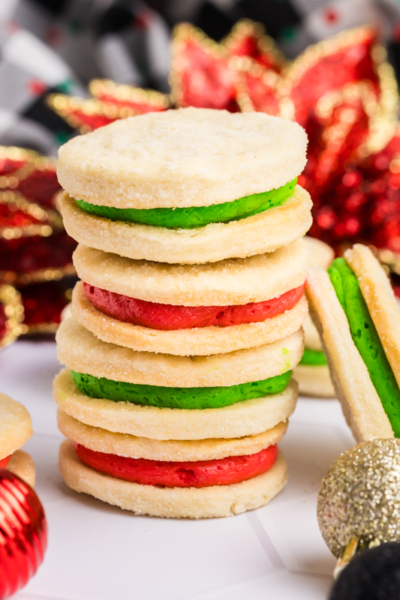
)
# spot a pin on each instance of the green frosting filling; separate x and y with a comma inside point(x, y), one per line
point(170, 397)
point(366, 339)
point(196, 216)
point(315, 358)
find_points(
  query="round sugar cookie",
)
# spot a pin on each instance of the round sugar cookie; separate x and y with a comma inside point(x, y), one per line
point(319, 253)
point(265, 232)
point(238, 420)
point(21, 464)
point(180, 158)
point(314, 381)
point(15, 426)
point(131, 446)
point(81, 351)
point(192, 503)
point(232, 281)
point(200, 341)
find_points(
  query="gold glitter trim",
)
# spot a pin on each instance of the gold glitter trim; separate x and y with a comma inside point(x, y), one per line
point(10, 298)
point(313, 54)
point(266, 45)
point(66, 106)
point(181, 34)
point(17, 153)
point(13, 153)
point(384, 122)
point(99, 88)
point(351, 92)
point(244, 65)
point(35, 162)
point(42, 329)
point(39, 276)
point(384, 117)
point(15, 200)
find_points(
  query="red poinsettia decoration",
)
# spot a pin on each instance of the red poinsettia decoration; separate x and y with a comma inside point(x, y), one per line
point(248, 39)
point(33, 243)
point(35, 251)
point(29, 173)
point(342, 90)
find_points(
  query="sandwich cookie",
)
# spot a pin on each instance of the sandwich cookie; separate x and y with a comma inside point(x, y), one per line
point(186, 186)
point(354, 307)
point(192, 309)
point(237, 420)
point(218, 500)
point(312, 373)
point(122, 444)
point(196, 479)
point(119, 372)
point(183, 392)
point(15, 430)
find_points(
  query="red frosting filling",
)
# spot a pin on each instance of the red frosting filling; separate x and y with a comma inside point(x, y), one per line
point(4, 462)
point(170, 317)
point(224, 471)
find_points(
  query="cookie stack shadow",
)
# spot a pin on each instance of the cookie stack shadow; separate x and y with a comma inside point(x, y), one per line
point(186, 324)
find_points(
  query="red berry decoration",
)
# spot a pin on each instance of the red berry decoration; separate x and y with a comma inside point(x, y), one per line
point(23, 533)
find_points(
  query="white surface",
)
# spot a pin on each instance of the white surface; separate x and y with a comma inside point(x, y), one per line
point(97, 552)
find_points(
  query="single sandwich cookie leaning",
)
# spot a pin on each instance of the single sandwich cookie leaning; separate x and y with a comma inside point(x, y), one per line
point(15, 430)
point(312, 373)
point(186, 186)
point(354, 308)
point(191, 309)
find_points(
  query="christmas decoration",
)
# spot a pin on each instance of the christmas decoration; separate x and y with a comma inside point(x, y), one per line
point(11, 315)
point(30, 174)
point(112, 102)
point(35, 251)
point(33, 244)
point(43, 304)
point(126, 96)
point(87, 115)
point(359, 499)
point(23, 533)
point(371, 574)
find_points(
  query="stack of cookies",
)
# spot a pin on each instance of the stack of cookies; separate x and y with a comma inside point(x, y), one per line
point(187, 322)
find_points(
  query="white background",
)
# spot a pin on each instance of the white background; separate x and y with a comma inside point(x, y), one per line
point(98, 552)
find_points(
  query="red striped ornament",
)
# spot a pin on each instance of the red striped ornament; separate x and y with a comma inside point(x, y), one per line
point(23, 533)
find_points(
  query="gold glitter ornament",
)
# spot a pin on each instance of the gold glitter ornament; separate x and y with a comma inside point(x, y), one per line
point(359, 498)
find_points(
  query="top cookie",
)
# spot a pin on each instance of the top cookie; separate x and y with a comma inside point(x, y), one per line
point(182, 158)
